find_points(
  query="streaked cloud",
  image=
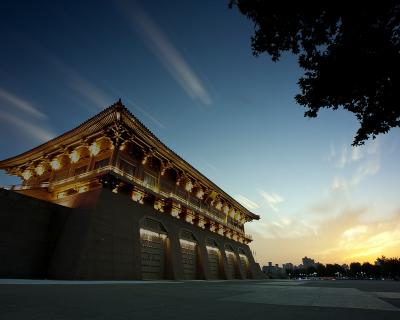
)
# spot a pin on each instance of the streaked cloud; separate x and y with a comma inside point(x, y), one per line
point(21, 104)
point(168, 54)
point(77, 82)
point(367, 241)
point(273, 199)
point(355, 232)
point(251, 205)
point(88, 90)
point(210, 165)
point(284, 228)
point(94, 98)
point(145, 113)
point(30, 129)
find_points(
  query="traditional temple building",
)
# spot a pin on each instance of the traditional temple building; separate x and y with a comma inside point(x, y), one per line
point(108, 200)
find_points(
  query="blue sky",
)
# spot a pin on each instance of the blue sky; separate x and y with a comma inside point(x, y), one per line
point(186, 70)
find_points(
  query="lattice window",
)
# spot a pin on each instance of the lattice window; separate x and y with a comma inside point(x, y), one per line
point(150, 180)
point(80, 170)
point(127, 167)
point(101, 163)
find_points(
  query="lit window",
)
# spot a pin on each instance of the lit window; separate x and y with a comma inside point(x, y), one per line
point(80, 170)
point(101, 163)
point(127, 167)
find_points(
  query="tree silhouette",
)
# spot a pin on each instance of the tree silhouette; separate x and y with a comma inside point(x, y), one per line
point(350, 52)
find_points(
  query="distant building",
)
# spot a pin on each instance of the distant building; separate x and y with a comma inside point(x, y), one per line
point(288, 266)
point(308, 263)
point(272, 269)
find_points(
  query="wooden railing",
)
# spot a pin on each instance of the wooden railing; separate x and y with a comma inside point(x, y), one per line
point(165, 188)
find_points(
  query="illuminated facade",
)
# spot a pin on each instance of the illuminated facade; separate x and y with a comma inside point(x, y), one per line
point(142, 211)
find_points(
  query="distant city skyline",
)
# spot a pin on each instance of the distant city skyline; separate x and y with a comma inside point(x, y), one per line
point(189, 75)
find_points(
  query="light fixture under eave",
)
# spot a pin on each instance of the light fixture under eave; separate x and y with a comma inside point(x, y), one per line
point(83, 189)
point(27, 174)
point(94, 148)
point(74, 156)
point(61, 195)
point(39, 170)
point(55, 164)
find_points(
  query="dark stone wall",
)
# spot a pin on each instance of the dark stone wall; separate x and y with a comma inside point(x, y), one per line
point(29, 229)
point(43, 240)
point(112, 245)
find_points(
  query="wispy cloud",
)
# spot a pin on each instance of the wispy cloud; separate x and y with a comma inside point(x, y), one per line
point(30, 129)
point(364, 241)
point(251, 205)
point(368, 166)
point(348, 156)
point(273, 199)
point(21, 104)
point(168, 54)
point(339, 183)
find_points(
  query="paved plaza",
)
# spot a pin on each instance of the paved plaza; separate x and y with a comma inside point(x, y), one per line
point(268, 299)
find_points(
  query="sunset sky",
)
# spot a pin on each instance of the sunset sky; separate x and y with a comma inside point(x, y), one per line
point(186, 70)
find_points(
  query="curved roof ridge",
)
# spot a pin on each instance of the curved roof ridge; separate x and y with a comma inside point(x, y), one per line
point(101, 115)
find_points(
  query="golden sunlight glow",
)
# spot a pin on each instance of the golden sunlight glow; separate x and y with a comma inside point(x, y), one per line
point(39, 170)
point(74, 156)
point(94, 148)
point(27, 174)
point(55, 164)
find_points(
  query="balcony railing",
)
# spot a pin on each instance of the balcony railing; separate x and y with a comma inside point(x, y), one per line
point(165, 188)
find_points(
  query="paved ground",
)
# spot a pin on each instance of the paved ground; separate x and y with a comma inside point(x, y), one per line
point(24, 299)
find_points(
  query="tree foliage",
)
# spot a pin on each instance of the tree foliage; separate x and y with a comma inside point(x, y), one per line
point(350, 52)
point(388, 268)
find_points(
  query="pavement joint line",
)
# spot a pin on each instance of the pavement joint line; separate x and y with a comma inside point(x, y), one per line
point(347, 298)
point(387, 294)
